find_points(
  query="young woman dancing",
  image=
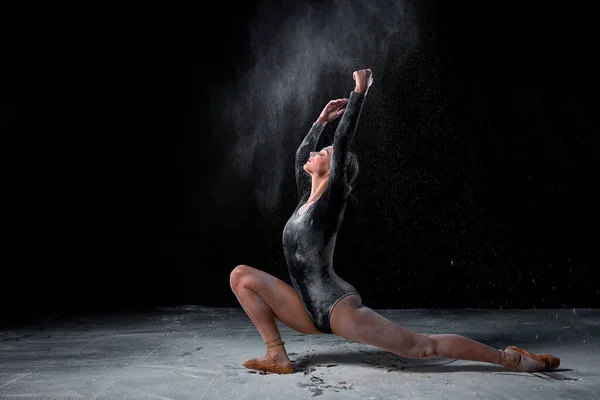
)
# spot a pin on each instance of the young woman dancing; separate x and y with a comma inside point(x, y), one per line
point(320, 302)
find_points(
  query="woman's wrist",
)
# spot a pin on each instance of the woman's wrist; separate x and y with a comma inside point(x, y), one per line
point(361, 89)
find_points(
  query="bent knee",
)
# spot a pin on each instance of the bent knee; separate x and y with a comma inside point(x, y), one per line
point(238, 275)
point(424, 348)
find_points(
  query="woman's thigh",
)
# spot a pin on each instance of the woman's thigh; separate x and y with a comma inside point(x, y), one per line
point(279, 296)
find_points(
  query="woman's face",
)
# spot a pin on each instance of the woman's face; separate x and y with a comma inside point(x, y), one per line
point(318, 162)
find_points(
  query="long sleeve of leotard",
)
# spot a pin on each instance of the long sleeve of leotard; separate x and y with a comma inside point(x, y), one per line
point(308, 144)
point(343, 138)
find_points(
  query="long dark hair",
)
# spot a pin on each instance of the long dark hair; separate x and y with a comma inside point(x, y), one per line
point(351, 169)
point(351, 174)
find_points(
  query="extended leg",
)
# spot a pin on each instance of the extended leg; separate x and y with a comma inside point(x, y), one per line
point(353, 321)
point(364, 325)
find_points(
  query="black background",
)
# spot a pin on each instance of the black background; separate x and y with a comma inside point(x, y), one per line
point(479, 161)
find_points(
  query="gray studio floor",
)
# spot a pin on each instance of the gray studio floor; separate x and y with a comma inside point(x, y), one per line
point(193, 352)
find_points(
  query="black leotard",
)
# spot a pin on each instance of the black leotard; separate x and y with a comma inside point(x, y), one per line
point(309, 238)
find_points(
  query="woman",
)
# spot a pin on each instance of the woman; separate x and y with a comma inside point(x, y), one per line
point(320, 301)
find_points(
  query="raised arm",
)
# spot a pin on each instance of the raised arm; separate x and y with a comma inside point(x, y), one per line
point(347, 127)
point(331, 111)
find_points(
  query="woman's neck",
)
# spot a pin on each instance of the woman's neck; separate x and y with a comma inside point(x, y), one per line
point(319, 184)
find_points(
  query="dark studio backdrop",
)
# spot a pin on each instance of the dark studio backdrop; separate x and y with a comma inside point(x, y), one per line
point(151, 151)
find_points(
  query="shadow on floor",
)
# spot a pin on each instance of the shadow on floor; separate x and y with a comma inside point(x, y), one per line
point(387, 361)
